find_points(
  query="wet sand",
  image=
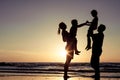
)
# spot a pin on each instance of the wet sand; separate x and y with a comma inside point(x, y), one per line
point(51, 77)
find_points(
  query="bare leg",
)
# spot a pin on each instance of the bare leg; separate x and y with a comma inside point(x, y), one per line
point(66, 66)
point(89, 40)
point(75, 47)
point(88, 43)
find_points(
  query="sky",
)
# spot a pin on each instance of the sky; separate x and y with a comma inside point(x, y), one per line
point(28, 29)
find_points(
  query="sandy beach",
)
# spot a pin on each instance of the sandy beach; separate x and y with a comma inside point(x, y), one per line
point(54, 71)
point(52, 77)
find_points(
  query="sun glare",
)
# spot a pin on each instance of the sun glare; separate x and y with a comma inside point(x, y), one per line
point(63, 53)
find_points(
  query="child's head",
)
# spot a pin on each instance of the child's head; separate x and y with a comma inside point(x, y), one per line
point(101, 28)
point(74, 22)
point(62, 26)
point(94, 13)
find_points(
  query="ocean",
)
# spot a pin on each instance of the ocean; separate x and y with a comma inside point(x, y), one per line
point(107, 70)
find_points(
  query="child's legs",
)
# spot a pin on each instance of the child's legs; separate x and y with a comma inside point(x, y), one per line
point(75, 44)
point(88, 41)
point(90, 32)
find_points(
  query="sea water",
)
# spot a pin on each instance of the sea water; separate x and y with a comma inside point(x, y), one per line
point(107, 70)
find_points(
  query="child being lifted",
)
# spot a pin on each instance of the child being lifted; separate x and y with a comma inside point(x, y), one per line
point(73, 33)
point(93, 26)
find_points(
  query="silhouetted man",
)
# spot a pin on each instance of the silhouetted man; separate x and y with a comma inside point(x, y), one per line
point(97, 49)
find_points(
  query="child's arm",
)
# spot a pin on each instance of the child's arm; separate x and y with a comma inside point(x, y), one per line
point(81, 25)
point(88, 23)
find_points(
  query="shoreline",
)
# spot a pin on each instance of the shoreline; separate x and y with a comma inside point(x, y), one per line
point(102, 75)
point(55, 71)
point(53, 77)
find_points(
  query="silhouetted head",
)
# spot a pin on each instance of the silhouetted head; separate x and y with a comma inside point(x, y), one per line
point(101, 28)
point(94, 13)
point(62, 26)
point(74, 22)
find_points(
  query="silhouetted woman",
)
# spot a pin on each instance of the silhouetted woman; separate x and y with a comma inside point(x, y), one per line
point(69, 47)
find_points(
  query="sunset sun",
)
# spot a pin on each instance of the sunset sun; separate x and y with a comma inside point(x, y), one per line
point(62, 53)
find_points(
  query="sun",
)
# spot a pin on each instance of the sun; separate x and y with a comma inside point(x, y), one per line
point(62, 53)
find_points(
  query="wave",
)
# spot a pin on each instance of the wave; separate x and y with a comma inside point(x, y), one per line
point(55, 67)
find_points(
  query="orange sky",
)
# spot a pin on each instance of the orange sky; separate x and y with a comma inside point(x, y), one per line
point(28, 29)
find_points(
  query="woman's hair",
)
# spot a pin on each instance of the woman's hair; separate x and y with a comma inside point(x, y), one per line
point(62, 26)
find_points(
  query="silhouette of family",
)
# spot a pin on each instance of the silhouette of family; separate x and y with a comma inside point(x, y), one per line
point(71, 40)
